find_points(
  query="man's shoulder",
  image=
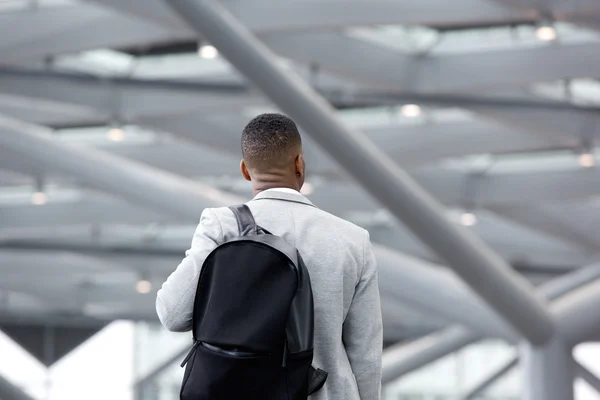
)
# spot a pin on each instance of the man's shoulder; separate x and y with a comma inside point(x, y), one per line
point(316, 215)
point(333, 220)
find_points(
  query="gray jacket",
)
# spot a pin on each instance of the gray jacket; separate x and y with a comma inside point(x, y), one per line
point(339, 257)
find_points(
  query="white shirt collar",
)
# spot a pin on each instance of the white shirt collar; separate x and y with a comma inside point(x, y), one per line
point(284, 190)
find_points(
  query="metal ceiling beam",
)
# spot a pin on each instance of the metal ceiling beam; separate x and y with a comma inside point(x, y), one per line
point(395, 71)
point(403, 358)
point(588, 376)
point(375, 64)
point(266, 16)
point(124, 99)
point(548, 371)
point(436, 291)
point(408, 357)
point(492, 378)
point(57, 30)
point(507, 366)
point(509, 294)
point(9, 391)
point(89, 210)
point(584, 12)
point(548, 222)
point(83, 26)
point(157, 189)
point(179, 107)
point(576, 314)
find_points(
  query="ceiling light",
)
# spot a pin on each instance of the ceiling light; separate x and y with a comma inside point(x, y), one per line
point(143, 287)
point(587, 160)
point(307, 189)
point(546, 32)
point(468, 219)
point(39, 198)
point(116, 134)
point(208, 52)
point(410, 110)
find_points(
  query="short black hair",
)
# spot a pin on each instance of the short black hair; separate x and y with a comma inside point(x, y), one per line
point(269, 139)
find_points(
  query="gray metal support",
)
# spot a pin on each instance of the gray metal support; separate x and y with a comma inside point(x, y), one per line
point(154, 188)
point(549, 371)
point(577, 314)
point(8, 391)
point(588, 376)
point(498, 373)
point(438, 292)
point(580, 371)
point(400, 359)
point(507, 292)
point(412, 356)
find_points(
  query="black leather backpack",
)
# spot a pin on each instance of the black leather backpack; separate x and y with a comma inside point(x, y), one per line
point(253, 322)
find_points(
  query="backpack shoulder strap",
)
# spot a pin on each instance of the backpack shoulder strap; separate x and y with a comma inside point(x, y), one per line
point(245, 220)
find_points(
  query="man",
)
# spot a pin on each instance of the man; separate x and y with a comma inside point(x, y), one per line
point(338, 255)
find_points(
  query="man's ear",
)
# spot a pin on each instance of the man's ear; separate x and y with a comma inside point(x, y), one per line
point(244, 171)
point(300, 166)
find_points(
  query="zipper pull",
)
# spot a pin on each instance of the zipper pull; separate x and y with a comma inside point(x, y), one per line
point(285, 348)
point(187, 358)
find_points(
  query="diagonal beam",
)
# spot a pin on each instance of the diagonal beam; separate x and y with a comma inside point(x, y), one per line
point(436, 291)
point(9, 391)
point(577, 314)
point(401, 359)
point(507, 292)
point(580, 371)
point(415, 355)
point(588, 376)
point(492, 378)
point(158, 189)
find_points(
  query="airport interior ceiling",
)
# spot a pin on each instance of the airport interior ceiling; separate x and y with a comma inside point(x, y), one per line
point(111, 109)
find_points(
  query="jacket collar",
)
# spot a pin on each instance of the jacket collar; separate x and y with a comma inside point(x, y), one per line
point(285, 196)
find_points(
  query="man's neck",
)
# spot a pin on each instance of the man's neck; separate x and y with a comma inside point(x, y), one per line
point(258, 187)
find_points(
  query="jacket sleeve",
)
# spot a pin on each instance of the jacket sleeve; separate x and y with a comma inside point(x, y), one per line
point(363, 329)
point(175, 300)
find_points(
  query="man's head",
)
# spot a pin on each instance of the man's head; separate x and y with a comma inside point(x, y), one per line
point(272, 153)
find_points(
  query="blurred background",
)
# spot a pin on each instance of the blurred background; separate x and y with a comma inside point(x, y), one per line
point(112, 109)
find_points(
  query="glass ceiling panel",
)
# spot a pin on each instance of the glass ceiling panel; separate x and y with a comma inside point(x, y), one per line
point(384, 116)
point(418, 39)
point(582, 92)
point(553, 161)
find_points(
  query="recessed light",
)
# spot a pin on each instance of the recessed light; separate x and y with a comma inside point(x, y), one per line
point(587, 160)
point(39, 198)
point(208, 52)
point(468, 219)
point(143, 287)
point(116, 134)
point(410, 110)
point(546, 33)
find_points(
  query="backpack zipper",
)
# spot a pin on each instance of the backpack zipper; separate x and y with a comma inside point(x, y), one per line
point(187, 358)
point(285, 348)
